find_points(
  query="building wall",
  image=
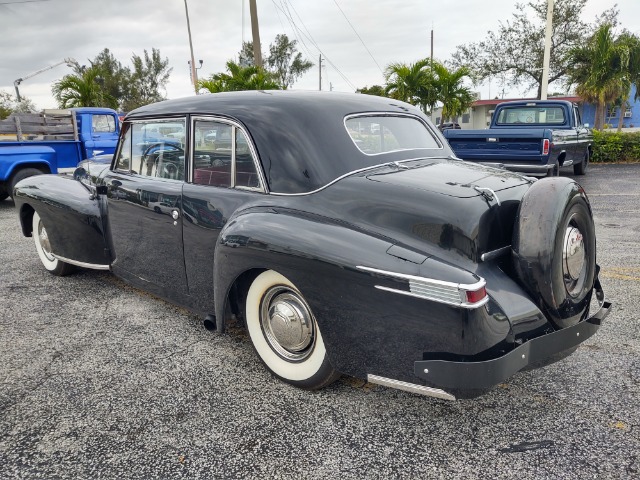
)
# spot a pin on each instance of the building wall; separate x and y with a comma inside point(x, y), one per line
point(632, 118)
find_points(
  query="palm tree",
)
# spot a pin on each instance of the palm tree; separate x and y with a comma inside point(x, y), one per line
point(454, 96)
point(81, 90)
point(629, 64)
point(411, 83)
point(605, 68)
point(240, 78)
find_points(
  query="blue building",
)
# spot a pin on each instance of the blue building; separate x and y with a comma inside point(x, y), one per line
point(612, 116)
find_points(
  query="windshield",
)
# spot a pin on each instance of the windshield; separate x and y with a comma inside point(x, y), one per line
point(382, 134)
point(531, 115)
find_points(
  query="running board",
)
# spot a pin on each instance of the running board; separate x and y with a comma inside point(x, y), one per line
point(409, 387)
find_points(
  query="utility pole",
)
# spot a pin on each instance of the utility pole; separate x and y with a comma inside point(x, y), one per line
point(257, 51)
point(547, 52)
point(320, 72)
point(432, 47)
point(194, 74)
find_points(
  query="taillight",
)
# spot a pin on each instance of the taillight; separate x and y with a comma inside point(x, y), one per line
point(474, 296)
point(545, 146)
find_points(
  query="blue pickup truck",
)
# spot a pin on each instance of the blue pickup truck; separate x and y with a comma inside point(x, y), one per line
point(535, 137)
point(53, 141)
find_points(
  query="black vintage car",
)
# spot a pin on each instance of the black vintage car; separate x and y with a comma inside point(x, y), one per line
point(342, 230)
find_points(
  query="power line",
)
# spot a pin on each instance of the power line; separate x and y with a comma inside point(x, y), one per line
point(359, 37)
point(312, 40)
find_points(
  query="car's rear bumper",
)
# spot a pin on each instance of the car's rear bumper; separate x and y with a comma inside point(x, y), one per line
point(481, 375)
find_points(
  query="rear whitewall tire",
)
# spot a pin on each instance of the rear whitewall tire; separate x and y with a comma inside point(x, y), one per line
point(311, 370)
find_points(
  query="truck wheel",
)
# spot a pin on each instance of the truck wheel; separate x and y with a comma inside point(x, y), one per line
point(554, 249)
point(21, 175)
point(285, 333)
point(581, 168)
point(41, 239)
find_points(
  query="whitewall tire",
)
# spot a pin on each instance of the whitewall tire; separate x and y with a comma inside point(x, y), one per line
point(285, 333)
point(43, 247)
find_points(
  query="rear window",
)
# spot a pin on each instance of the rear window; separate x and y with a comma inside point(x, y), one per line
point(531, 115)
point(382, 134)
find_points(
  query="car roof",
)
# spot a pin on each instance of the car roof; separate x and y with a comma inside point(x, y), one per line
point(299, 136)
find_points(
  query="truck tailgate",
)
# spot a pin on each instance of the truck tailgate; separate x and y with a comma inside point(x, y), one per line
point(499, 145)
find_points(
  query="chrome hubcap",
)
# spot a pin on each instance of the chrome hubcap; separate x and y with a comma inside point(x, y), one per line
point(573, 257)
point(43, 238)
point(287, 323)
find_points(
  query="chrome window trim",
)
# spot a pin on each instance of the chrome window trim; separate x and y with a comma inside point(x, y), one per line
point(392, 114)
point(263, 188)
point(163, 119)
point(444, 295)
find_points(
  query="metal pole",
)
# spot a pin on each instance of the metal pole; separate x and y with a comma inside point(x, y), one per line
point(547, 52)
point(194, 75)
point(257, 51)
point(320, 72)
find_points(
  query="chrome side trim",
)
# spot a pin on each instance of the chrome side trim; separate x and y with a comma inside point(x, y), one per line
point(486, 256)
point(409, 387)
point(449, 293)
point(354, 172)
point(93, 266)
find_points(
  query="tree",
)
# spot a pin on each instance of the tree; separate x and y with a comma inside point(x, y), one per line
point(285, 61)
point(9, 105)
point(80, 90)
point(516, 50)
point(411, 83)
point(240, 78)
point(373, 90)
point(113, 78)
point(456, 99)
point(605, 68)
point(150, 75)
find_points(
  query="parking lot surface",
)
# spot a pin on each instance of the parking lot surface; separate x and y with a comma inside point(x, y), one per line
point(100, 380)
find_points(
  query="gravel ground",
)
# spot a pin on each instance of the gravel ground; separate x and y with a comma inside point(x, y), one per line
point(99, 380)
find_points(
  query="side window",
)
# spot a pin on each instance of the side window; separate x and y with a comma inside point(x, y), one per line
point(157, 149)
point(578, 119)
point(103, 124)
point(222, 156)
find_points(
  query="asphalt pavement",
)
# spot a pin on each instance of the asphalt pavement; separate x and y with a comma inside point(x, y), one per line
point(100, 380)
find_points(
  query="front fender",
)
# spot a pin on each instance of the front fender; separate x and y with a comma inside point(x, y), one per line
point(358, 320)
point(73, 217)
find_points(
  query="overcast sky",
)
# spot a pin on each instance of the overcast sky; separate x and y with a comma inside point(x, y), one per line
point(35, 34)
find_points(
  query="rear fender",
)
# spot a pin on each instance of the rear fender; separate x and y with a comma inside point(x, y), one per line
point(356, 317)
point(72, 215)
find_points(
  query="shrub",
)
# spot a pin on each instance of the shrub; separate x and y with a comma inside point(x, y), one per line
point(616, 147)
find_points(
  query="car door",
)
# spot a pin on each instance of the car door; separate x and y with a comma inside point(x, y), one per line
point(224, 176)
point(103, 134)
point(583, 137)
point(145, 213)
